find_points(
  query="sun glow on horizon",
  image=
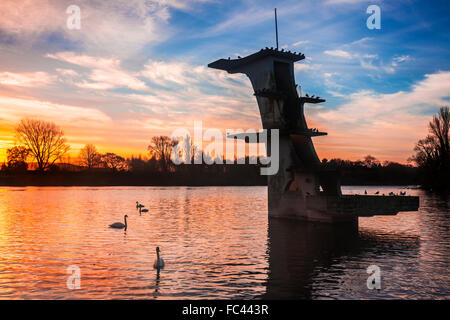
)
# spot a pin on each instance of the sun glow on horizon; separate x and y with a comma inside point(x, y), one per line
point(138, 69)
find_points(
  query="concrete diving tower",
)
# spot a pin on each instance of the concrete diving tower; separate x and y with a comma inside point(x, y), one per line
point(302, 188)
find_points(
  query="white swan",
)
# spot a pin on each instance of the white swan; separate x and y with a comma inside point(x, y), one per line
point(159, 262)
point(120, 225)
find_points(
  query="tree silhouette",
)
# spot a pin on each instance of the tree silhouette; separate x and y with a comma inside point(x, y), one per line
point(17, 158)
point(114, 162)
point(370, 161)
point(432, 154)
point(439, 128)
point(44, 139)
point(161, 148)
point(89, 156)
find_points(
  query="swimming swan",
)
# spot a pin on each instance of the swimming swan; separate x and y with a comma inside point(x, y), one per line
point(120, 225)
point(138, 205)
point(159, 262)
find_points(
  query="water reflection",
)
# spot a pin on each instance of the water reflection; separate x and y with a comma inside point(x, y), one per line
point(156, 286)
point(296, 249)
point(218, 243)
point(308, 260)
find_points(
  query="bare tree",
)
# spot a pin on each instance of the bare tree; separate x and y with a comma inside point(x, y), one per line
point(432, 154)
point(89, 156)
point(44, 139)
point(426, 151)
point(434, 149)
point(439, 128)
point(370, 161)
point(114, 162)
point(161, 149)
point(17, 158)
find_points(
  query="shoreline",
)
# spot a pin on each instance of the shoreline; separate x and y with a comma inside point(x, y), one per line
point(406, 186)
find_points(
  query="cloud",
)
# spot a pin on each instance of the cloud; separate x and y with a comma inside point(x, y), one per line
point(370, 56)
point(302, 66)
point(330, 82)
point(389, 68)
point(119, 27)
point(192, 78)
point(105, 73)
point(339, 53)
point(366, 60)
point(400, 59)
point(252, 13)
point(298, 43)
point(361, 41)
point(241, 19)
point(26, 79)
point(67, 72)
point(386, 125)
point(13, 109)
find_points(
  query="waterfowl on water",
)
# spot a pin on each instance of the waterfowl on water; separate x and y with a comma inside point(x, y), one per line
point(139, 206)
point(159, 262)
point(120, 225)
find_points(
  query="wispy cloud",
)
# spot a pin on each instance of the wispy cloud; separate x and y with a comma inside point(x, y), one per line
point(362, 41)
point(400, 59)
point(13, 109)
point(299, 43)
point(339, 53)
point(120, 27)
point(26, 79)
point(105, 73)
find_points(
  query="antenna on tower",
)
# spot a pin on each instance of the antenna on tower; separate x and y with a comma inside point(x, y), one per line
point(276, 26)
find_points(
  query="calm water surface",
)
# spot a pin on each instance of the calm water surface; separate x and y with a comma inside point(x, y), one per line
point(217, 243)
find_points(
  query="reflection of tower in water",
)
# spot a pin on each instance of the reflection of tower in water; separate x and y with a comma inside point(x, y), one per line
point(300, 253)
point(296, 249)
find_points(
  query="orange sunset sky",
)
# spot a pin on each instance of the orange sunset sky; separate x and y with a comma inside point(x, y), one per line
point(136, 69)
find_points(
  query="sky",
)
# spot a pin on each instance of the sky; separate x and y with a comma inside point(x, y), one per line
point(138, 68)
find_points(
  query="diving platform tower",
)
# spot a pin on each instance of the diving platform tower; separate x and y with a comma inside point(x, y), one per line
point(302, 188)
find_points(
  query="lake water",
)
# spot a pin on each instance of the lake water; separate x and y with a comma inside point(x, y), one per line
point(217, 243)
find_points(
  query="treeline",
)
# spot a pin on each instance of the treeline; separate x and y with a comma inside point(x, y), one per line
point(371, 171)
point(184, 175)
point(153, 172)
point(38, 159)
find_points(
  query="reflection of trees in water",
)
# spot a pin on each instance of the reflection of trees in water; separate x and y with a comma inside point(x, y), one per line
point(298, 251)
